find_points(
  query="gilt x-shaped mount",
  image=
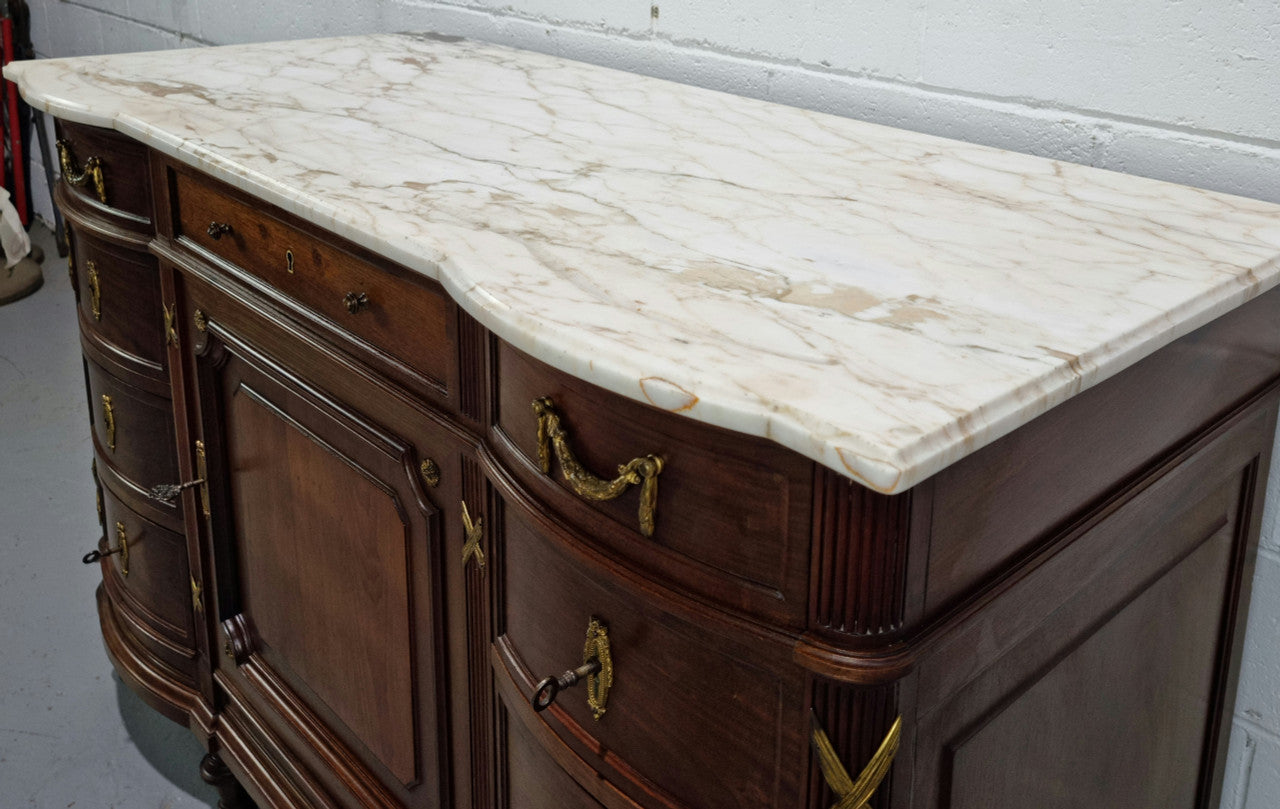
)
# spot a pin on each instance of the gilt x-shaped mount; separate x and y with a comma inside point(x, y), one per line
point(855, 794)
point(473, 530)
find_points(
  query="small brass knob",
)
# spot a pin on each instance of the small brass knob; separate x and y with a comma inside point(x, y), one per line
point(218, 229)
point(355, 302)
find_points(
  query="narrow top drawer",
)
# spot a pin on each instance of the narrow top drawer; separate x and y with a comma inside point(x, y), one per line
point(730, 514)
point(398, 317)
point(106, 170)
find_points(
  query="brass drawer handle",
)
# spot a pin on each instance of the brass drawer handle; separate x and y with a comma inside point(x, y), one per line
point(109, 419)
point(855, 794)
point(122, 548)
point(95, 290)
point(217, 230)
point(76, 178)
point(643, 470)
point(596, 669)
point(356, 302)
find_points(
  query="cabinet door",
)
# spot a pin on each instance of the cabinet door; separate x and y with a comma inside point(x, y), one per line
point(325, 554)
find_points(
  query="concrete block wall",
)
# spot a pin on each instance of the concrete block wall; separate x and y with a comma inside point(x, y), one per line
point(1180, 90)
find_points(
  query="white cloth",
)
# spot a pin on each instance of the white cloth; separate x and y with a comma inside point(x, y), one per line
point(13, 237)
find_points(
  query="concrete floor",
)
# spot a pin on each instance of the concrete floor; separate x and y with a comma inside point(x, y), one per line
point(71, 734)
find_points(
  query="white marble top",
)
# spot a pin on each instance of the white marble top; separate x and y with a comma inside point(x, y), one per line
point(881, 301)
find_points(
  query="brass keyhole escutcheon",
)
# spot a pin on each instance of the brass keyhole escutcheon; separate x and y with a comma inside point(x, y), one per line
point(596, 670)
point(288, 261)
point(598, 684)
point(109, 420)
point(121, 549)
point(95, 289)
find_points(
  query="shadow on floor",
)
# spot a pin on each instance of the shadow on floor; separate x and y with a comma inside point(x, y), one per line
point(167, 746)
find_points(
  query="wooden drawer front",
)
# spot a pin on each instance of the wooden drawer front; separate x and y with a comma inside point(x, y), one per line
point(133, 430)
point(399, 317)
point(732, 512)
point(155, 593)
point(678, 684)
point(126, 179)
point(120, 306)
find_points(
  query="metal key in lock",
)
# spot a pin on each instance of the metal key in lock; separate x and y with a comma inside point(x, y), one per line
point(550, 687)
point(597, 669)
point(122, 548)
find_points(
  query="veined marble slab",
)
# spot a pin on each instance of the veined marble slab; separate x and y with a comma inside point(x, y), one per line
point(881, 301)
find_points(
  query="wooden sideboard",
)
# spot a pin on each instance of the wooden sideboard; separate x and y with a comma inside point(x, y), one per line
point(389, 530)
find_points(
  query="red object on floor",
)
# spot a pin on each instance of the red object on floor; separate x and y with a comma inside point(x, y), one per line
point(19, 190)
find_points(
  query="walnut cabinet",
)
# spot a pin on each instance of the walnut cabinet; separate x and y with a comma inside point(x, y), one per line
point(376, 552)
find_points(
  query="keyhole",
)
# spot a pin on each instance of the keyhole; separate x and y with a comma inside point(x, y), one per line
point(288, 260)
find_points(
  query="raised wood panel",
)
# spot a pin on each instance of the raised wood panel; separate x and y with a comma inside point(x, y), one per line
point(1122, 719)
point(1000, 502)
point(1101, 675)
point(322, 551)
point(327, 550)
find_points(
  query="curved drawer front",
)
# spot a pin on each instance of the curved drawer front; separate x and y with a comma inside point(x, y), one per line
point(133, 430)
point(399, 317)
point(120, 305)
point(124, 188)
point(154, 595)
point(672, 678)
point(731, 515)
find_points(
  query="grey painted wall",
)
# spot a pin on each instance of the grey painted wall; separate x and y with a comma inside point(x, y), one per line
point(1181, 90)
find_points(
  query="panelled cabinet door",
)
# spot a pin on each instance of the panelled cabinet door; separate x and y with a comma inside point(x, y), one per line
point(325, 549)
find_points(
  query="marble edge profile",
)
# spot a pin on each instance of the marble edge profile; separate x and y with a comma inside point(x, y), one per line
point(883, 468)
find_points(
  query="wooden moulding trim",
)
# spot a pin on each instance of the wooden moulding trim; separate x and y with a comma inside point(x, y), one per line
point(133, 497)
point(585, 774)
point(271, 783)
point(774, 643)
point(128, 368)
point(128, 610)
point(358, 778)
point(859, 560)
point(899, 656)
point(154, 681)
point(110, 224)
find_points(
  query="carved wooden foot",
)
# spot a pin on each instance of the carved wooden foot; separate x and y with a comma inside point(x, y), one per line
point(230, 794)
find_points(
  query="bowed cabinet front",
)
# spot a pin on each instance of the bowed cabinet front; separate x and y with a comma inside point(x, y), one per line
point(388, 527)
